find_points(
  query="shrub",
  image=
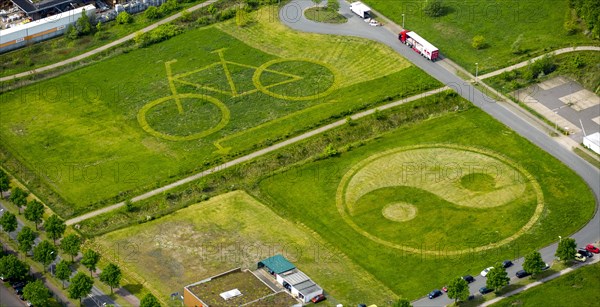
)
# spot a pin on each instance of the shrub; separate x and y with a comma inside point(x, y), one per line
point(152, 13)
point(329, 151)
point(161, 33)
point(168, 7)
point(124, 18)
point(435, 8)
point(478, 42)
point(186, 16)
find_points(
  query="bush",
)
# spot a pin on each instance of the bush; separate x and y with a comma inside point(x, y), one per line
point(329, 151)
point(226, 14)
point(124, 18)
point(152, 13)
point(163, 32)
point(186, 16)
point(168, 7)
point(478, 42)
point(545, 65)
point(435, 8)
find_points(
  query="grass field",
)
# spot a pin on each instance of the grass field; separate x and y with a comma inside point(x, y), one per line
point(229, 231)
point(97, 134)
point(576, 288)
point(446, 235)
point(500, 22)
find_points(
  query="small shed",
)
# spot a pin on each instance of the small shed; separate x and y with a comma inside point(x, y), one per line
point(592, 142)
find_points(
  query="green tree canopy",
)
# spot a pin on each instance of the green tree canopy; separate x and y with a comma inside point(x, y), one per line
point(45, 253)
point(8, 221)
point(63, 271)
point(111, 275)
point(90, 260)
point(497, 278)
point(13, 268)
point(81, 285)
point(36, 293)
point(83, 24)
point(533, 263)
point(18, 197)
point(26, 238)
point(70, 244)
point(567, 248)
point(149, 300)
point(34, 212)
point(55, 227)
point(458, 289)
point(4, 182)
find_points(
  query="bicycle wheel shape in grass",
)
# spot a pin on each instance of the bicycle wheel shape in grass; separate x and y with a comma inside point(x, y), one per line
point(314, 79)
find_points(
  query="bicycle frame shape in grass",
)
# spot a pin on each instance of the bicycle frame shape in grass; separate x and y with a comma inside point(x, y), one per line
point(176, 97)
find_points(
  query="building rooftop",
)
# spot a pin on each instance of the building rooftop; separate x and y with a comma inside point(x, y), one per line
point(250, 287)
point(277, 264)
point(301, 282)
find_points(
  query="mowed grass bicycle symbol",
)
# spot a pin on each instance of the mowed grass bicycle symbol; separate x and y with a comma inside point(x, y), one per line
point(184, 107)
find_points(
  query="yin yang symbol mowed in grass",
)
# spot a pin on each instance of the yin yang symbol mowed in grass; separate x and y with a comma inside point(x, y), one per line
point(190, 116)
point(462, 198)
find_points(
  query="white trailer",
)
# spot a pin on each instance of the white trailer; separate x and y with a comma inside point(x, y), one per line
point(360, 9)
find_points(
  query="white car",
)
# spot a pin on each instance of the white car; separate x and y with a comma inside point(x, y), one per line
point(579, 257)
point(486, 271)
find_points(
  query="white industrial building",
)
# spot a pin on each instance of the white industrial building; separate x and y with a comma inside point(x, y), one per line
point(292, 279)
point(41, 29)
point(592, 142)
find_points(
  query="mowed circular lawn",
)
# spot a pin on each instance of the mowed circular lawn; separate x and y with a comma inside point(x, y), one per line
point(453, 197)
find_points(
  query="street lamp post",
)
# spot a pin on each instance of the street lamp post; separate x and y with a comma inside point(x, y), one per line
point(402, 21)
point(476, 71)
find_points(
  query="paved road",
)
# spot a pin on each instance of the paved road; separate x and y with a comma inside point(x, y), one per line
point(292, 16)
point(105, 47)
point(8, 297)
point(96, 298)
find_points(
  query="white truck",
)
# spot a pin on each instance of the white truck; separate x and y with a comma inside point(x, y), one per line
point(360, 9)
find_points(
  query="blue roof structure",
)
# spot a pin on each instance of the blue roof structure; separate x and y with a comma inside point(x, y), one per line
point(277, 264)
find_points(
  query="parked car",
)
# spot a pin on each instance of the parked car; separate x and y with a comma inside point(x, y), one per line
point(433, 294)
point(445, 288)
point(546, 266)
point(485, 290)
point(486, 271)
point(4, 279)
point(318, 298)
point(592, 248)
point(506, 264)
point(522, 273)
point(579, 257)
point(585, 252)
point(19, 284)
point(468, 278)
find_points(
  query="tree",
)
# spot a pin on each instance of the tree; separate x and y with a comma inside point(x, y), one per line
point(567, 248)
point(458, 289)
point(149, 300)
point(124, 18)
point(13, 268)
point(402, 303)
point(34, 212)
point(18, 197)
point(152, 13)
point(63, 271)
point(8, 221)
point(83, 24)
point(44, 253)
point(4, 182)
point(111, 275)
point(70, 244)
point(478, 42)
point(36, 293)
point(497, 278)
point(26, 237)
point(533, 263)
point(81, 285)
point(435, 8)
point(90, 260)
point(317, 2)
point(333, 5)
point(55, 227)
